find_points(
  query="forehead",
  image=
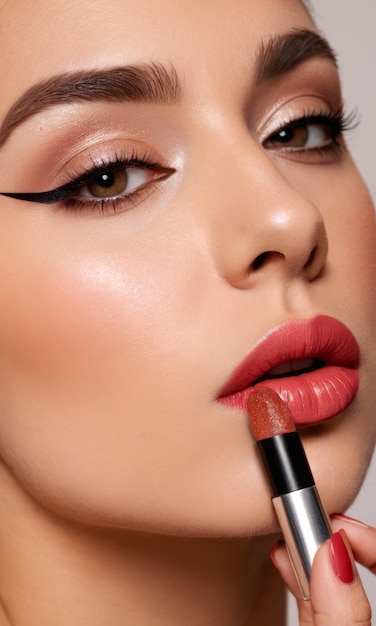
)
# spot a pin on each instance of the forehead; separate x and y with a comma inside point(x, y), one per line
point(39, 38)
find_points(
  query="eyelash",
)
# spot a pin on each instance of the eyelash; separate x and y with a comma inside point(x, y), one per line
point(108, 204)
point(115, 204)
point(337, 123)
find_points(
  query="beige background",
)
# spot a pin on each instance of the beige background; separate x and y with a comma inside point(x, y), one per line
point(350, 27)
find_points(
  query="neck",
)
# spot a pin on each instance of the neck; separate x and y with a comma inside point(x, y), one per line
point(96, 577)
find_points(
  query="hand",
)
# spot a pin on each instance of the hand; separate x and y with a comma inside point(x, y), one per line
point(337, 594)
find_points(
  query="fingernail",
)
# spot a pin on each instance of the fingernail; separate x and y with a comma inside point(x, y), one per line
point(346, 518)
point(341, 557)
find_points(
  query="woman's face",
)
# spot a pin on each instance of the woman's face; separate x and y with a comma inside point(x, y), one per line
point(122, 320)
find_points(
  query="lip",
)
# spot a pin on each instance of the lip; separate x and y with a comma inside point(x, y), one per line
point(314, 396)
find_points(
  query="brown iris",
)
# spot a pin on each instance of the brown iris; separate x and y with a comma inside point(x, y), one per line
point(295, 137)
point(108, 184)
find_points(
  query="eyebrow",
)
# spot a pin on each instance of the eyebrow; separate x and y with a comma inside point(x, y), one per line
point(281, 54)
point(152, 83)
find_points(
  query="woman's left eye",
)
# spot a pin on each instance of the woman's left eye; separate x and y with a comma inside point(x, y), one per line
point(311, 135)
point(304, 135)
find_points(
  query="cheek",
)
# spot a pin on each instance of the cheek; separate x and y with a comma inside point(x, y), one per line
point(85, 346)
point(352, 231)
point(348, 284)
point(63, 319)
point(96, 379)
point(75, 304)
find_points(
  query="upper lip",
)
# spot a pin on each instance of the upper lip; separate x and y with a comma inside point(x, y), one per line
point(322, 337)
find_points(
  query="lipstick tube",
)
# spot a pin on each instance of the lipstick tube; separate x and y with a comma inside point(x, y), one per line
point(304, 522)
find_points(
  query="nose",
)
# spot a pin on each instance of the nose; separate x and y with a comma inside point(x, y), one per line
point(263, 223)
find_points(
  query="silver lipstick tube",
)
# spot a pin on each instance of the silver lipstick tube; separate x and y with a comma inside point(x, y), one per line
point(305, 526)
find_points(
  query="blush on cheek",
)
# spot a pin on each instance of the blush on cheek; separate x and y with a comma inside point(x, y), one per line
point(60, 315)
point(73, 342)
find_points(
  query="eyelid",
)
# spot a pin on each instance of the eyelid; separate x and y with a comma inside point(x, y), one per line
point(85, 172)
point(337, 121)
point(290, 120)
point(323, 152)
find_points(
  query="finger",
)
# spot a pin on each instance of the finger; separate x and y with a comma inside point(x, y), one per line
point(337, 594)
point(281, 560)
point(362, 539)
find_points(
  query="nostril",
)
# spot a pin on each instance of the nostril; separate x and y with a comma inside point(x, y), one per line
point(263, 258)
point(259, 261)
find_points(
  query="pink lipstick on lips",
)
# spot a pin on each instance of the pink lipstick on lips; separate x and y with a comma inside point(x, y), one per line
point(311, 363)
point(302, 518)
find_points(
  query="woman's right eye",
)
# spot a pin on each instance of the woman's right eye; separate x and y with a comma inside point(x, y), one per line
point(112, 183)
point(116, 185)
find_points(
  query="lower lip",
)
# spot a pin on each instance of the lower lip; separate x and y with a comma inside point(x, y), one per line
point(311, 398)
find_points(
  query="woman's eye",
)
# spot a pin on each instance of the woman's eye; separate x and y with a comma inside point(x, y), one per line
point(116, 186)
point(112, 183)
point(301, 137)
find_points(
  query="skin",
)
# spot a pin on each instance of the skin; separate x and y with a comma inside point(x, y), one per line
point(117, 332)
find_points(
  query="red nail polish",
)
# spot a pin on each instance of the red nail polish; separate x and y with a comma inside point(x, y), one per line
point(340, 557)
